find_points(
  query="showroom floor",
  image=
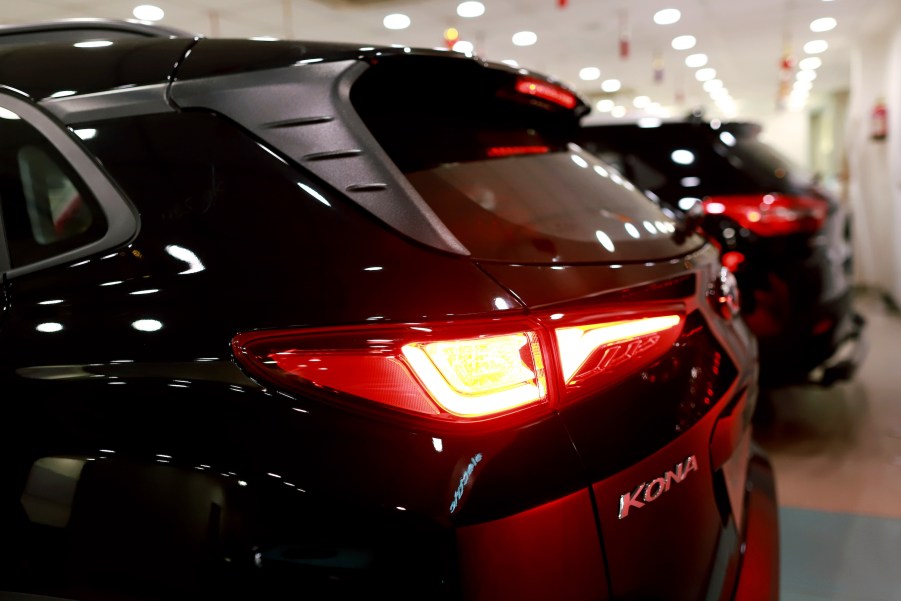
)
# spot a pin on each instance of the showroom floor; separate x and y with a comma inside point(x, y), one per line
point(837, 455)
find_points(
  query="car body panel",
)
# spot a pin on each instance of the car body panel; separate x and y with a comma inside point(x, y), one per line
point(146, 458)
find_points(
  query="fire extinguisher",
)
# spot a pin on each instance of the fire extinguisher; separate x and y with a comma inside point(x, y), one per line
point(879, 121)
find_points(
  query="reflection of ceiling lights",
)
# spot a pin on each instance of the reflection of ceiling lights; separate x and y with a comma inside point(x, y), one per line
point(806, 75)
point(470, 9)
point(396, 21)
point(684, 42)
point(667, 16)
point(713, 84)
point(464, 47)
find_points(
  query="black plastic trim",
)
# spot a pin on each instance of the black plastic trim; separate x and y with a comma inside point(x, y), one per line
point(45, 30)
point(122, 218)
point(114, 104)
point(315, 98)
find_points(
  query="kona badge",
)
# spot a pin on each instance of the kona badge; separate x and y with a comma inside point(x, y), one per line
point(646, 492)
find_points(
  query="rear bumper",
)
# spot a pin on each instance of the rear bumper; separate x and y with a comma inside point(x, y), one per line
point(758, 577)
point(850, 350)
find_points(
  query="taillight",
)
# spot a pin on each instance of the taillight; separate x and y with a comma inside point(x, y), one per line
point(460, 371)
point(771, 214)
point(532, 86)
point(508, 151)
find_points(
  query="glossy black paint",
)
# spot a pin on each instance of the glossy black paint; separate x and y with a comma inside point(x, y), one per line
point(140, 461)
point(796, 288)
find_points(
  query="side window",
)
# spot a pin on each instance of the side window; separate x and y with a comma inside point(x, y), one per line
point(46, 209)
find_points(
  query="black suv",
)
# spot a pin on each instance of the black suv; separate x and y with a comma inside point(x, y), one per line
point(305, 320)
point(786, 239)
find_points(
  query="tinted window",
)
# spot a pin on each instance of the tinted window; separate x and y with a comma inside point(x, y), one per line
point(46, 208)
point(501, 170)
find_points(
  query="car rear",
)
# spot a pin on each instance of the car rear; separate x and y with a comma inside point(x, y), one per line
point(411, 341)
point(786, 238)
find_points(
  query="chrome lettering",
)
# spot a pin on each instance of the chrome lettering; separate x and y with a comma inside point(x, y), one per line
point(651, 490)
point(626, 501)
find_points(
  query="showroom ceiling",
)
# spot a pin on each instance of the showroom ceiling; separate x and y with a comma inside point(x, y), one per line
point(745, 42)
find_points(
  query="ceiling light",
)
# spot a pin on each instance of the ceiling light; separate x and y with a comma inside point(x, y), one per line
point(464, 47)
point(396, 21)
point(470, 9)
point(611, 85)
point(618, 111)
point(695, 60)
point(641, 102)
point(815, 46)
point(806, 75)
point(524, 38)
point(684, 42)
point(148, 12)
point(802, 85)
point(705, 74)
point(606, 105)
point(667, 16)
point(824, 24)
point(589, 73)
point(809, 63)
point(648, 122)
point(510, 62)
point(713, 84)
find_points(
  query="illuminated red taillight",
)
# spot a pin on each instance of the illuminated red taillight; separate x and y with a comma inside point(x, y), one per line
point(507, 151)
point(546, 91)
point(771, 214)
point(460, 372)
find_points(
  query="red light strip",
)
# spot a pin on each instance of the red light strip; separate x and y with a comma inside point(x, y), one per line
point(546, 91)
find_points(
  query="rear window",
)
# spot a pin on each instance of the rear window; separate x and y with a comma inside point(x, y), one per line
point(681, 163)
point(500, 167)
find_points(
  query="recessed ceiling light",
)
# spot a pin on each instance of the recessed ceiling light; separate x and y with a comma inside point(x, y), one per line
point(641, 102)
point(148, 12)
point(464, 47)
point(695, 60)
point(824, 24)
point(684, 42)
point(396, 21)
point(606, 105)
point(705, 74)
point(713, 84)
point(470, 9)
point(806, 75)
point(589, 73)
point(811, 62)
point(524, 38)
point(611, 85)
point(815, 46)
point(667, 16)
point(618, 111)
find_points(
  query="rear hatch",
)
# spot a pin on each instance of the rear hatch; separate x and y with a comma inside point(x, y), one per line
point(659, 416)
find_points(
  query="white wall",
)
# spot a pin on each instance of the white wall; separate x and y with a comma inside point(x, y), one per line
point(874, 167)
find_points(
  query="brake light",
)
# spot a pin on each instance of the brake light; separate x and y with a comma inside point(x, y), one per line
point(771, 214)
point(546, 91)
point(459, 372)
point(507, 151)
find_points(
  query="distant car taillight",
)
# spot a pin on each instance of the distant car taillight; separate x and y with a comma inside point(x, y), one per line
point(532, 86)
point(771, 214)
point(461, 371)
